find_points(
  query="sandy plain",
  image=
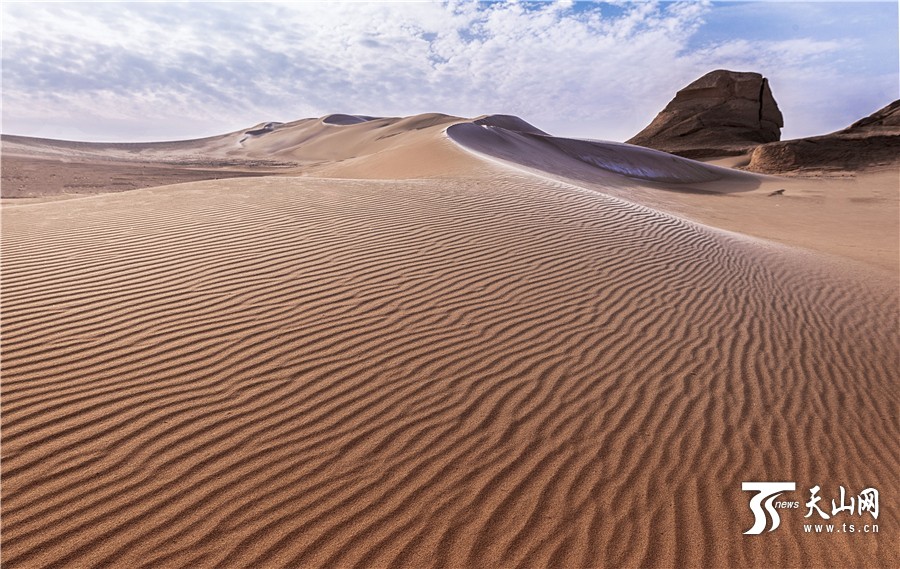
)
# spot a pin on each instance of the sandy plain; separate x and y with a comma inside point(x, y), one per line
point(432, 342)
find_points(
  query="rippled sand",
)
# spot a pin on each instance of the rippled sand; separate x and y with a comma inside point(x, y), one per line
point(485, 370)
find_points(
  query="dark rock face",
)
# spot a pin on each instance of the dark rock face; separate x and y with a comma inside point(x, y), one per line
point(868, 143)
point(885, 120)
point(722, 113)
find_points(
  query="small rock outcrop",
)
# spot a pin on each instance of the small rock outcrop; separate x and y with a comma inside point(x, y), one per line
point(722, 113)
point(871, 142)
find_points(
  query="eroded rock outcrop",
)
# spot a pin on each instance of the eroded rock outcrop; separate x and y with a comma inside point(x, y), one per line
point(868, 143)
point(722, 113)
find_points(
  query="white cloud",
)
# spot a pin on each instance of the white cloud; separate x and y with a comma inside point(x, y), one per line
point(138, 71)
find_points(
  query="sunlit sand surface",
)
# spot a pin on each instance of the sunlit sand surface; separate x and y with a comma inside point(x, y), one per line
point(411, 346)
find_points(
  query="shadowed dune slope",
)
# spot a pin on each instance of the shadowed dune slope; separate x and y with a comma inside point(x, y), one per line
point(352, 146)
point(490, 372)
point(361, 146)
point(518, 142)
point(340, 119)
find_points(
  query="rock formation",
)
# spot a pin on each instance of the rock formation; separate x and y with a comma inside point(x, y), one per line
point(722, 113)
point(871, 142)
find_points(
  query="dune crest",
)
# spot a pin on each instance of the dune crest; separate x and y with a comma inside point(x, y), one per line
point(513, 140)
point(352, 146)
point(345, 120)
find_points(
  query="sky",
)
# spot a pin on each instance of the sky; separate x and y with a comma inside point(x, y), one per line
point(157, 71)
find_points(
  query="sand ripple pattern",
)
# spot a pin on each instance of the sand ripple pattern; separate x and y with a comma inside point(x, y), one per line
point(482, 373)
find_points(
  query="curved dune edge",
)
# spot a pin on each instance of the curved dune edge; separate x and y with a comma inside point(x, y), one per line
point(346, 120)
point(347, 146)
point(493, 372)
point(337, 140)
point(587, 160)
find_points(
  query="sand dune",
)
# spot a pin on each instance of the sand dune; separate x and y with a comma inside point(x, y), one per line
point(340, 119)
point(333, 137)
point(525, 145)
point(499, 372)
point(474, 366)
point(855, 215)
point(331, 146)
point(352, 146)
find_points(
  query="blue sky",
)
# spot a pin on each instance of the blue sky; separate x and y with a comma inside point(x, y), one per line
point(148, 71)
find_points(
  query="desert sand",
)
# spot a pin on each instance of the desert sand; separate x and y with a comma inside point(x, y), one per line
point(439, 342)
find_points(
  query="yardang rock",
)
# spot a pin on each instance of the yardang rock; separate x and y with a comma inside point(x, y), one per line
point(722, 113)
point(872, 142)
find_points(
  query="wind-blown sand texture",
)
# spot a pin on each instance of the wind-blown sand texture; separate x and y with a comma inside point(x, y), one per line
point(475, 366)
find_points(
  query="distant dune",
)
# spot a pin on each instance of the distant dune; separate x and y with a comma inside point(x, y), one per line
point(438, 342)
point(339, 119)
point(351, 146)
